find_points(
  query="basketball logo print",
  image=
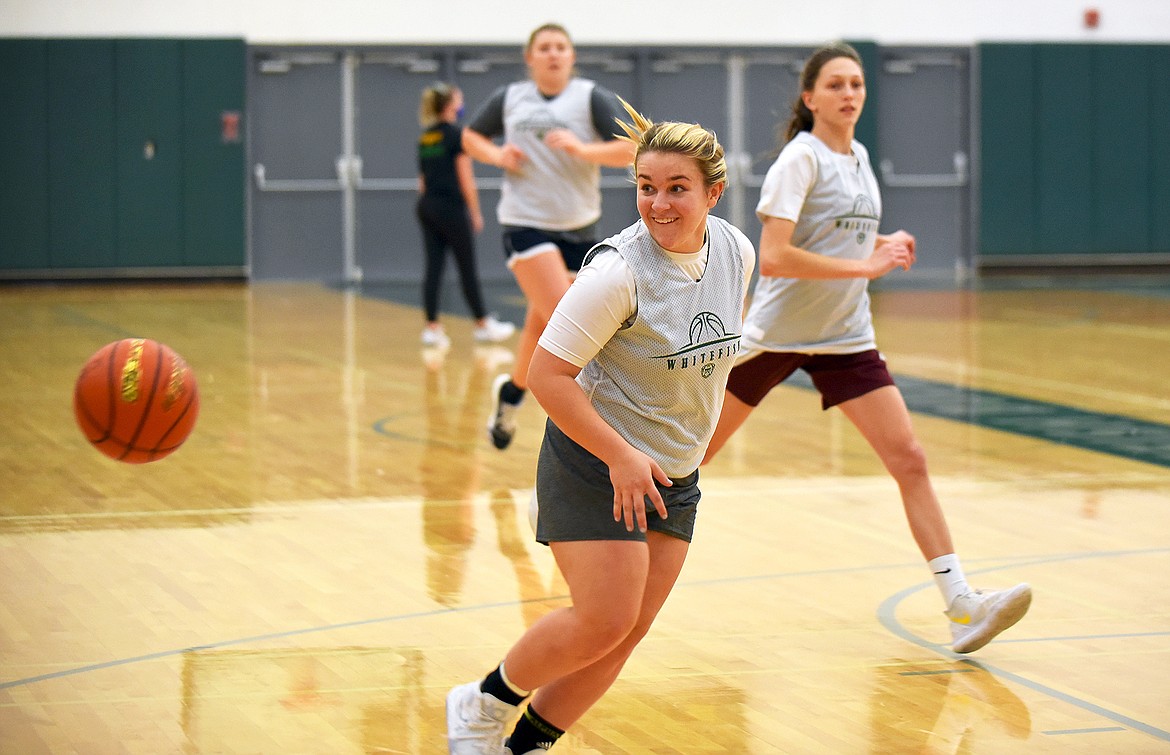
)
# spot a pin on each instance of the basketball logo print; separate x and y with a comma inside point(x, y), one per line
point(863, 218)
point(709, 343)
point(706, 327)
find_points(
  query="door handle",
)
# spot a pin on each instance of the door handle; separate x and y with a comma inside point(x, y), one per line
point(926, 180)
point(349, 173)
point(292, 184)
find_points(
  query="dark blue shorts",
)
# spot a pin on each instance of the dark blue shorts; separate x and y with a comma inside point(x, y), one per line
point(521, 242)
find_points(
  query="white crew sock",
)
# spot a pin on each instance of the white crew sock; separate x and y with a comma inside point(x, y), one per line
point(948, 575)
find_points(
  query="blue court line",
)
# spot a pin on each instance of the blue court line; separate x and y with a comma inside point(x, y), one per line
point(1084, 731)
point(1079, 637)
point(886, 615)
point(262, 637)
point(939, 671)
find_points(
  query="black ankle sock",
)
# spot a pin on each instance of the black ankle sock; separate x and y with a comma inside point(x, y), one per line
point(511, 392)
point(494, 685)
point(532, 733)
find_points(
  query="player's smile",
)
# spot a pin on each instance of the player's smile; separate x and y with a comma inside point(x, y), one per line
point(673, 201)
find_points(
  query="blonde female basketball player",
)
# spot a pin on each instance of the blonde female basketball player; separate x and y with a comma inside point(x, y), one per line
point(631, 370)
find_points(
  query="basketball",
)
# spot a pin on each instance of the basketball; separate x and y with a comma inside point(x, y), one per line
point(136, 400)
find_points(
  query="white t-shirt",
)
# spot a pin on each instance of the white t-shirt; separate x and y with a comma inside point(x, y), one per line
point(835, 202)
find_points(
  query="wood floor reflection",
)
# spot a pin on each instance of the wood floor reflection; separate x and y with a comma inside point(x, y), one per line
point(337, 544)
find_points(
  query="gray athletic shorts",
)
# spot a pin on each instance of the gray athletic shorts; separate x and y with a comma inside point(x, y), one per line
point(575, 497)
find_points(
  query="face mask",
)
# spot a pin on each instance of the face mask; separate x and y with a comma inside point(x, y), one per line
point(459, 112)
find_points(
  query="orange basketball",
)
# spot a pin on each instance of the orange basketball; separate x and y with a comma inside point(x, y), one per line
point(136, 400)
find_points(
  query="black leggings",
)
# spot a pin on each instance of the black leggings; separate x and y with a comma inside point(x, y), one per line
point(445, 225)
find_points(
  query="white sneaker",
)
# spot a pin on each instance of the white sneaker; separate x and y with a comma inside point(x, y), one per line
point(493, 330)
point(502, 421)
point(476, 721)
point(435, 337)
point(491, 358)
point(978, 616)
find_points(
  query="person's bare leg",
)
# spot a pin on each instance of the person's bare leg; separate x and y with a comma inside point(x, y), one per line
point(543, 279)
point(603, 613)
point(883, 419)
point(564, 700)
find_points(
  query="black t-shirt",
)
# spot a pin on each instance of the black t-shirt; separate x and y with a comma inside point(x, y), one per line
point(438, 147)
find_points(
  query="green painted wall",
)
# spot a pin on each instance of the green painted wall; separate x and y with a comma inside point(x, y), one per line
point(113, 154)
point(82, 160)
point(214, 177)
point(1075, 149)
point(24, 149)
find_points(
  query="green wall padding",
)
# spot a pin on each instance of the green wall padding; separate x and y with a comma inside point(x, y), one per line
point(1064, 151)
point(24, 155)
point(150, 153)
point(1007, 148)
point(1121, 150)
point(82, 166)
point(213, 169)
point(1075, 149)
point(113, 154)
point(1160, 149)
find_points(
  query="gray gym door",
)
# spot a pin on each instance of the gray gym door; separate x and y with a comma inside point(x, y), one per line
point(333, 157)
point(333, 133)
point(923, 158)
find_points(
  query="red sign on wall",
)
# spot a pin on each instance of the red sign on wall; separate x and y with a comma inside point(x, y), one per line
point(229, 126)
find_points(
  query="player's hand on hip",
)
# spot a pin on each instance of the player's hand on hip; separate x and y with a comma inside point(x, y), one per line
point(633, 482)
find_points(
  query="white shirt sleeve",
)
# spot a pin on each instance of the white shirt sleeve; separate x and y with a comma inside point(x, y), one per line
point(787, 183)
point(601, 298)
point(748, 252)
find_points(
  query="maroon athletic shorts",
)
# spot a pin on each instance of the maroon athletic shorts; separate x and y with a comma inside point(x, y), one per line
point(838, 377)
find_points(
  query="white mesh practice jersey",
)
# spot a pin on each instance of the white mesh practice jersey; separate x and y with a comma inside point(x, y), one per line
point(660, 380)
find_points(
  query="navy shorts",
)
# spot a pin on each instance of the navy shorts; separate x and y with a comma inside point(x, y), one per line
point(522, 242)
point(575, 497)
point(838, 377)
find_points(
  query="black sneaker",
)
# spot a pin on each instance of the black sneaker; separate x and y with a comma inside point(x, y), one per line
point(502, 421)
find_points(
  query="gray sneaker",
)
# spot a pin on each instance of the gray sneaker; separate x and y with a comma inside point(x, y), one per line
point(978, 616)
point(477, 721)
